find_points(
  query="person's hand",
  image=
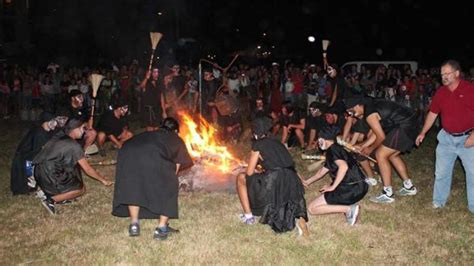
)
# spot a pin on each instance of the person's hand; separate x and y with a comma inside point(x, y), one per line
point(106, 182)
point(357, 148)
point(327, 188)
point(469, 141)
point(366, 151)
point(419, 139)
point(119, 145)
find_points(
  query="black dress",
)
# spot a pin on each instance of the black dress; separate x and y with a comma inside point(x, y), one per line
point(56, 167)
point(151, 113)
point(352, 187)
point(28, 148)
point(277, 195)
point(398, 122)
point(146, 174)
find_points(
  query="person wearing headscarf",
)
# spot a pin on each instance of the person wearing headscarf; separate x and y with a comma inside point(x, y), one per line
point(395, 128)
point(58, 167)
point(275, 193)
point(146, 178)
point(29, 146)
point(348, 184)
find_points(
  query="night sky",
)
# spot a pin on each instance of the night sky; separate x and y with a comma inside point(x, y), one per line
point(405, 30)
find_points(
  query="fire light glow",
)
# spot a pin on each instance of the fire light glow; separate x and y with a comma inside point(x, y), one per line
point(201, 143)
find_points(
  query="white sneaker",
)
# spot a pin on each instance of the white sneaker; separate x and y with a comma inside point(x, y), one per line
point(382, 198)
point(408, 191)
point(353, 214)
point(371, 181)
point(437, 206)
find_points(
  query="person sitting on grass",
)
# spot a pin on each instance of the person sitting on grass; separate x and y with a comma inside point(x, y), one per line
point(58, 167)
point(113, 126)
point(276, 193)
point(348, 185)
point(146, 179)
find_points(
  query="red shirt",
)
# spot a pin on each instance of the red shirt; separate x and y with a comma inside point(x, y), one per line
point(456, 108)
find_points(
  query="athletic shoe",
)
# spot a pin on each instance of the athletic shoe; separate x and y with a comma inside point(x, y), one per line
point(246, 220)
point(171, 229)
point(382, 198)
point(161, 233)
point(437, 206)
point(48, 204)
point(134, 229)
point(31, 182)
point(371, 181)
point(40, 194)
point(302, 227)
point(353, 214)
point(408, 191)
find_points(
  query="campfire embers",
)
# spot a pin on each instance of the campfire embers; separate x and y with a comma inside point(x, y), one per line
point(215, 168)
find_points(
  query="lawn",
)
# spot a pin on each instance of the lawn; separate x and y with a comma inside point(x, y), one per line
point(408, 231)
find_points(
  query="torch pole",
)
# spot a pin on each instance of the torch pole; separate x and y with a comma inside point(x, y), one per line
point(200, 88)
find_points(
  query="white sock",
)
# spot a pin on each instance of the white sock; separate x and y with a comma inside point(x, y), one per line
point(407, 183)
point(248, 215)
point(388, 191)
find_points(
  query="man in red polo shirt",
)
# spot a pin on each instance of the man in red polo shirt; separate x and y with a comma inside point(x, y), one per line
point(454, 102)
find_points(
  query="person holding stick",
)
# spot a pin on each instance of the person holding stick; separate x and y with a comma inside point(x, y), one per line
point(153, 101)
point(348, 184)
point(395, 128)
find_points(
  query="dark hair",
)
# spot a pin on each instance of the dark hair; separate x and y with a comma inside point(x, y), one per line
point(170, 124)
point(72, 124)
point(119, 103)
point(289, 106)
point(453, 63)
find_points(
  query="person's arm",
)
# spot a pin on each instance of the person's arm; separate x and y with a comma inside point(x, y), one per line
point(301, 125)
point(334, 95)
point(253, 160)
point(319, 174)
point(429, 121)
point(347, 128)
point(177, 167)
point(284, 134)
point(117, 142)
point(374, 123)
point(93, 173)
point(185, 91)
point(163, 106)
point(144, 81)
point(341, 172)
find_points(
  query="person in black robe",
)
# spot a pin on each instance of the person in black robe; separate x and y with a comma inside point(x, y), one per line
point(30, 145)
point(58, 167)
point(113, 126)
point(348, 184)
point(153, 101)
point(395, 128)
point(146, 178)
point(276, 193)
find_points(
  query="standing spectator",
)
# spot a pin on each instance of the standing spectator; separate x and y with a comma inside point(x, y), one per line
point(454, 102)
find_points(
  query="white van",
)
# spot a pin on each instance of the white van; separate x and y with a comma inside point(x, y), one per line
point(374, 64)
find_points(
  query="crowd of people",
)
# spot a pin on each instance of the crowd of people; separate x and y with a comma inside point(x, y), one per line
point(377, 111)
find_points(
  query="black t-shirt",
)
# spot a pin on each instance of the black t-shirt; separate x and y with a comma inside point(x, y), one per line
point(81, 113)
point(274, 154)
point(260, 114)
point(292, 119)
point(209, 90)
point(177, 84)
point(314, 122)
point(112, 125)
point(231, 120)
point(392, 114)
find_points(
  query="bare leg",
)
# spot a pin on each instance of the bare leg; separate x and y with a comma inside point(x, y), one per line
point(101, 137)
point(69, 195)
point(163, 221)
point(320, 206)
point(399, 165)
point(133, 210)
point(382, 154)
point(242, 191)
point(367, 169)
point(300, 135)
point(312, 140)
point(89, 137)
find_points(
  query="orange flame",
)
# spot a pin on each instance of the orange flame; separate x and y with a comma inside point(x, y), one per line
point(201, 143)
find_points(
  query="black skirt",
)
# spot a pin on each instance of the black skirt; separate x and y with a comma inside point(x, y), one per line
point(278, 197)
point(347, 194)
point(400, 139)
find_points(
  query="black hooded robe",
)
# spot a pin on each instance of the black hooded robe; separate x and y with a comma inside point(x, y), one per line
point(146, 175)
point(28, 148)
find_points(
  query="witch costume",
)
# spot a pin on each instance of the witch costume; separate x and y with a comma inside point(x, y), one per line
point(277, 194)
point(30, 145)
point(146, 174)
point(353, 186)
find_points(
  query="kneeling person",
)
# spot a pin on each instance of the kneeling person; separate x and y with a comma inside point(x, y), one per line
point(58, 167)
point(113, 126)
point(348, 185)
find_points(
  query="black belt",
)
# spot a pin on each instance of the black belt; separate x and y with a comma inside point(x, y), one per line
point(467, 132)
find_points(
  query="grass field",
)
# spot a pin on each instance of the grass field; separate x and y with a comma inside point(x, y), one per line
point(408, 231)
